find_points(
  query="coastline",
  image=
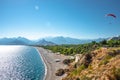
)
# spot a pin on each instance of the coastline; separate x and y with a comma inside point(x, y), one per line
point(50, 65)
point(43, 60)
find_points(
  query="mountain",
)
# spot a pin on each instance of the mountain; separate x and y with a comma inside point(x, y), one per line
point(44, 42)
point(67, 40)
point(23, 41)
point(114, 38)
point(14, 41)
point(64, 40)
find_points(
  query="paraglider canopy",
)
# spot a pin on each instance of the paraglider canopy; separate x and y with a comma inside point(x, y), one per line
point(112, 15)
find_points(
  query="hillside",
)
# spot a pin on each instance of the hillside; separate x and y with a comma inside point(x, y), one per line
point(100, 64)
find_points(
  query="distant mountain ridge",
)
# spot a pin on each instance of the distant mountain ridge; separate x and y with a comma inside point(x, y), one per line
point(67, 40)
point(14, 41)
point(49, 41)
point(23, 41)
point(114, 38)
point(44, 42)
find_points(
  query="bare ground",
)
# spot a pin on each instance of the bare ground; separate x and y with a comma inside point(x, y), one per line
point(52, 66)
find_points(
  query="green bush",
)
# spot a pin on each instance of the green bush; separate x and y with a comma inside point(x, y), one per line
point(78, 70)
point(67, 61)
point(105, 60)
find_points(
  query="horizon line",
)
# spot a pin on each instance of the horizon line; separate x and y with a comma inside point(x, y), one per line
point(58, 36)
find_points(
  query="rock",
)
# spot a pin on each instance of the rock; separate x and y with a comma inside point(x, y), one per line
point(66, 70)
point(85, 60)
point(94, 70)
point(66, 61)
point(60, 72)
point(78, 57)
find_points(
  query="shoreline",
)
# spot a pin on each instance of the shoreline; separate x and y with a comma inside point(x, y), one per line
point(50, 65)
point(43, 60)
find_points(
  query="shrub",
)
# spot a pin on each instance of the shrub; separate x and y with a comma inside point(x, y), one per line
point(59, 72)
point(117, 73)
point(78, 70)
point(77, 78)
point(67, 61)
point(85, 78)
point(105, 60)
point(82, 67)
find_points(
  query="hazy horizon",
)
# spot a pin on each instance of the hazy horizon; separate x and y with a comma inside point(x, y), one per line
point(81, 19)
point(50, 37)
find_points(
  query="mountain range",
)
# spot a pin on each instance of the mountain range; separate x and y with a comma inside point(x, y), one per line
point(67, 40)
point(114, 38)
point(48, 41)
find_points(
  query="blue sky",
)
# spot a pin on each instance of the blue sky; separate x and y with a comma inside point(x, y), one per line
point(83, 19)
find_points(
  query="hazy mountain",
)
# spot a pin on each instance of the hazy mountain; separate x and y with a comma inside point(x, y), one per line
point(114, 38)
point(23, 41)
point(14, 41)
point(68, 40)
point(99, 39)
point(44, 42)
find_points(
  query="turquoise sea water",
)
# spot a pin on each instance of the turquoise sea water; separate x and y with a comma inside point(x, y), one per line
point(20, 63)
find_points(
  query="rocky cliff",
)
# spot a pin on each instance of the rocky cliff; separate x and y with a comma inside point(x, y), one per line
point(101, 64)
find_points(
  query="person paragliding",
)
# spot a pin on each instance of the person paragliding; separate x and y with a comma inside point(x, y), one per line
point(111, 15)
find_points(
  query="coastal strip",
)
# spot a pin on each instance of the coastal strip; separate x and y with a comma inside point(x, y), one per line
point(44, 62)
point(51, 65)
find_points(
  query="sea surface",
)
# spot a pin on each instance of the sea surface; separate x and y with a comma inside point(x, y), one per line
point(20, 63)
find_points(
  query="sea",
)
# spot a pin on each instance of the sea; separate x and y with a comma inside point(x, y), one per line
point(21, 63)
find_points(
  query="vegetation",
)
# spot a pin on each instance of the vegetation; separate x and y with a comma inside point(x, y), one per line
point(105, 60)
point(67, 61)
point(96, 62)
point(104, 65)
point(60, 72)
point(82, 48)
point(73, 49)
point(85, 78)
point(117, 73)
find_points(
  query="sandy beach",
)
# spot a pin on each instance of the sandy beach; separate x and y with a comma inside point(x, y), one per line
point(52, 66)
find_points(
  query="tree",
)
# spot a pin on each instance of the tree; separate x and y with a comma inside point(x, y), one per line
point(104, 42)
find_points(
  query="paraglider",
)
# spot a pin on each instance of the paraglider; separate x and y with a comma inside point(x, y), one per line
point(112, 15)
